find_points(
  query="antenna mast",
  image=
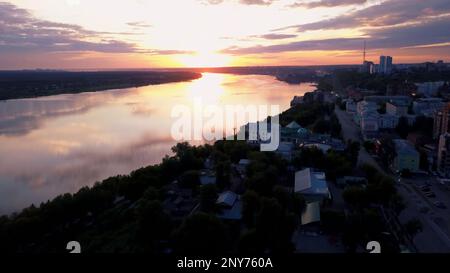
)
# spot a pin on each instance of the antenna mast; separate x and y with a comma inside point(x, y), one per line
point(364, 52)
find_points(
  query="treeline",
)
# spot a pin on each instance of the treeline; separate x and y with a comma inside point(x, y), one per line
point(334, 164)
point(25, 84)
point(317, 116)
point(370, 209)
point(398, 80)
point(127, 213)
point(90, 215)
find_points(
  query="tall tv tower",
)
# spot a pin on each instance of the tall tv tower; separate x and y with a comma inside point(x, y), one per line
point(364, 52)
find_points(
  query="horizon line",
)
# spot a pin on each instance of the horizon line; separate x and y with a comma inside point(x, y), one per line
point(180, 68)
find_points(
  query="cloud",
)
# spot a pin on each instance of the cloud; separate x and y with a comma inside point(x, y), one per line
point(326, 3)
point(244, 2)
point(139, 24)
point(168, 52)
point(424, 33)
point(275, 36)
point(21, 32)
point(212, 2)
point(387, 13)
point(257, 2)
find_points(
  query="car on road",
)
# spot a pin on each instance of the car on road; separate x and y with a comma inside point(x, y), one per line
point(440, 205)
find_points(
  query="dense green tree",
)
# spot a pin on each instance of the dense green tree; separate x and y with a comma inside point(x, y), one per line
point(299, 203)
point(153, 224)
point(309, 157)
point(403, 127)
point(189, 179)
point(321, 126)
point(355, 196)
point(208, 198)
point(332, 221)
point(283, 197)
point(369, 146)
point(413, 227)
point(423, 163)
point(336, 165)
point(223, 173)
point(201, 234)
point(276, 237)
point(250, 207)
point(352, 151)
point(250, 243)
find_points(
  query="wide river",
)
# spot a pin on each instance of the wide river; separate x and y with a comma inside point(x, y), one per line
point(57, 144)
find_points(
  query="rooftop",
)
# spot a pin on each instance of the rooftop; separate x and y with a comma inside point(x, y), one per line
point(311, 214)
point(405, 147)
point(293, 125)
point(323, 147)
point(206, 179)
point(398, 103)
point(244, 161)
point(227, 198)
point(309, 182)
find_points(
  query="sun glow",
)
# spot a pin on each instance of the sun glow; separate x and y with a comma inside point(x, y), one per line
point(205, 59)
point(209, 89)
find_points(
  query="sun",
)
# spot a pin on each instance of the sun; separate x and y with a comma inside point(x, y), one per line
point(205, 59)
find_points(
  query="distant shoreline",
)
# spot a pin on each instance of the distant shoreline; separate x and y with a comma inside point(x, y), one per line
point(32, 84)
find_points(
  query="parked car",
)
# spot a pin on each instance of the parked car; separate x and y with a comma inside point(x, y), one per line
point(440, 205)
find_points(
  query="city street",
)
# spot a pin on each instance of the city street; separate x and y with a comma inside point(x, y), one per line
point(350, 131)
point(435, 236)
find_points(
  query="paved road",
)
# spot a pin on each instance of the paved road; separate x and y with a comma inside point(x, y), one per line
point(435, 236)
point(350, 131)
point(437, 218)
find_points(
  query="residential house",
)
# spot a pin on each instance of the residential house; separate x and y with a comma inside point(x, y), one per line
point(207, 177)
point(429, 89)
point(406, 156)
point(293, 125)
point(387, 121)
point(427, 106)
point(364, 107)
point(230, 206)
point(350, 106)
point(369, 123)
point(351, 181)
point(311, 214)
point(323, 147)
point(441, 121)
point(384, 99)
point(242, 166)
point(443, 155)
point(397, 108)
point(285, 149)
point(312, 185)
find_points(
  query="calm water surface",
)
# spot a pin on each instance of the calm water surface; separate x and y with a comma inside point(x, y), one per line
point(52, 145)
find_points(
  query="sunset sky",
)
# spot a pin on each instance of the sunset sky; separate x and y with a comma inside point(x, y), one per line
point(108, 34)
